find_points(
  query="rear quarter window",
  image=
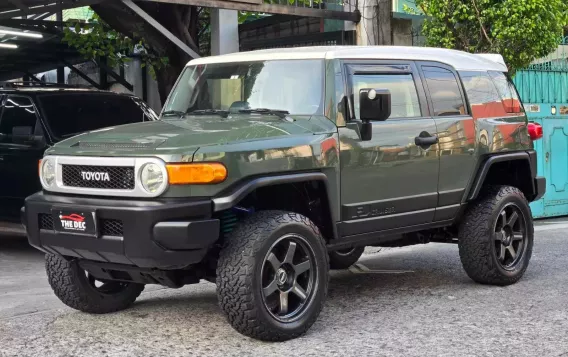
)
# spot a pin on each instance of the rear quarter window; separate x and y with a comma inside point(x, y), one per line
point(507, 91)
point(483, 97)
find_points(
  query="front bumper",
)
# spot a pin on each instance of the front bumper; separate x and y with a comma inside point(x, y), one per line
point(160, 234)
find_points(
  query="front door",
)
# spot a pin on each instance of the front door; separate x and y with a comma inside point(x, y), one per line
point(389, 181)
point(21, 147)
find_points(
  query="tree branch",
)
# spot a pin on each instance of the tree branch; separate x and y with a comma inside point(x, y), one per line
point(183, 30)
point(481, 23)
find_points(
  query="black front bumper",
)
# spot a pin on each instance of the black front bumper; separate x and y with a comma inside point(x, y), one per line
point(164, 234)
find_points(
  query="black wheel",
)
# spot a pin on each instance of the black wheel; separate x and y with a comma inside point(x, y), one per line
point(496, 237)
point(343, 259)
point(78, 289)
point(272, 275)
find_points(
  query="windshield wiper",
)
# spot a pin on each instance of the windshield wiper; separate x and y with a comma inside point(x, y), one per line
point(179, 113)
point(279, 113)
point(223, 113)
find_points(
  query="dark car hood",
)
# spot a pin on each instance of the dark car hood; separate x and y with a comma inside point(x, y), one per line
point(185, 136)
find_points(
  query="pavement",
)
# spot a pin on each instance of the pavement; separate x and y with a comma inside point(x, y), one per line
point(411, 301)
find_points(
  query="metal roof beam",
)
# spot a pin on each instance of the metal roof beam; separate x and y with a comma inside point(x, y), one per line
point(149, 19)
point(110, 71)
point(269, 9)
point(82, 75)
point(19, 4)
point(42, 16)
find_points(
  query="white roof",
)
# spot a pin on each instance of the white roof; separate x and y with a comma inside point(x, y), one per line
point(458, 59)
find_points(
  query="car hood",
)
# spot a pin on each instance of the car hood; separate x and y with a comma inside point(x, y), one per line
point(184, 136)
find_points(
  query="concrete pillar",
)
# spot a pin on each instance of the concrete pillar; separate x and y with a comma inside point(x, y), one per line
point(224, 31)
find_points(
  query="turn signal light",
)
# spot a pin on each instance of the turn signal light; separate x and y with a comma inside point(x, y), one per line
point(202, 173)
point(535, 131)
point(39, 167)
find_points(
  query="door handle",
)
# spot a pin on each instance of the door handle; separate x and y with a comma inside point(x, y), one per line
point(425, 140)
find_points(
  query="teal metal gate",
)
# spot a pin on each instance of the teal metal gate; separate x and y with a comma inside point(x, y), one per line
point(543, 87)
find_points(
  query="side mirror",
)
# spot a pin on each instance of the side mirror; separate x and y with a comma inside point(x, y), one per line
point(374, 104)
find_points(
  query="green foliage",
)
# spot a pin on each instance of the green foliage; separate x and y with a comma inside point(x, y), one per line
point(520, 30)
point(96, 39)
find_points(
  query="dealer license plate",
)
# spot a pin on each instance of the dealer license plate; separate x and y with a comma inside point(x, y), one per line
point(74, 221)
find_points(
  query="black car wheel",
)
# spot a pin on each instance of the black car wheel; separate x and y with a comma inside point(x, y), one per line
point(272, 275)
point(496, 237)
point(80, 290)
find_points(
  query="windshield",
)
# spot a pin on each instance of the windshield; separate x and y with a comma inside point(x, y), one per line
point(69, 114)
point(294, 86)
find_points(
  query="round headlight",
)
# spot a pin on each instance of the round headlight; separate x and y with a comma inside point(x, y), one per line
point(152, 178)
point(48, 172)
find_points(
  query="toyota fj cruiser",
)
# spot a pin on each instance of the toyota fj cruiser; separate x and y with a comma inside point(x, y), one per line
point(267, 168)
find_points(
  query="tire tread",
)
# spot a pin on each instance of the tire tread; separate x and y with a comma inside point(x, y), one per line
point(64, 279)
point(234, 274)
point(474, 231)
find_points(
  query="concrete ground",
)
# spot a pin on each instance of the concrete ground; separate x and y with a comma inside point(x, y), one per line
point(422, 305)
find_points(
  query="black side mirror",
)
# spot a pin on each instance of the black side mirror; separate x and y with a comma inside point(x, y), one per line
point(374, 104)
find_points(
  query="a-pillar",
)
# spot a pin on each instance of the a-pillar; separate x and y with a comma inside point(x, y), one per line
point(224, 31)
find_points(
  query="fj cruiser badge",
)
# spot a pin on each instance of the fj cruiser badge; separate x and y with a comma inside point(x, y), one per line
point(95, 176)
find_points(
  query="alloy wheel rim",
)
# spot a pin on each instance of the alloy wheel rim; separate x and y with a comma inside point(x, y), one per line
point(288, 278)
point(510, 236)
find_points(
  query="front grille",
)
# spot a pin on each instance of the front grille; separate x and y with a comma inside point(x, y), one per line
point(111, 227)
point(119, 177)
point(45, 221)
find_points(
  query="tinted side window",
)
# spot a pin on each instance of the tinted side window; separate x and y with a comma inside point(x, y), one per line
point(89, 111)
point(19, 120)
point(506, 89)
point(404, 97)
point(483, 97)
point(444, 91)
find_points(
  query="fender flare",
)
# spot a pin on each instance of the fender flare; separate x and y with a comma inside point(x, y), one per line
point(234, 194)
point(485, 166)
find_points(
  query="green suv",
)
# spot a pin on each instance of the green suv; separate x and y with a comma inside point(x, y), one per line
point(270, 167)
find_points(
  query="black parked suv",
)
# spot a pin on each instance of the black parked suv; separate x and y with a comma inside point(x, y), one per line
point(34, 118)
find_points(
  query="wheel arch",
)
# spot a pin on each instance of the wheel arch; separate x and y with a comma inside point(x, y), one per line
point(516, 169)
point(291, 187)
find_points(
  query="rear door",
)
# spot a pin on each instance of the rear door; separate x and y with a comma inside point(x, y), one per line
point(22, 143)
point(456, 135)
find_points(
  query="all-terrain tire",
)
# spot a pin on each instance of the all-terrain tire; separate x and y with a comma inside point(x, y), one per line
point(72, 287)
point(476, 237)
point(343, 259)
point(239, 274)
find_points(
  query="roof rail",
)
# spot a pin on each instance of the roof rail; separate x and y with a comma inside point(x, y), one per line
point(27, 84)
